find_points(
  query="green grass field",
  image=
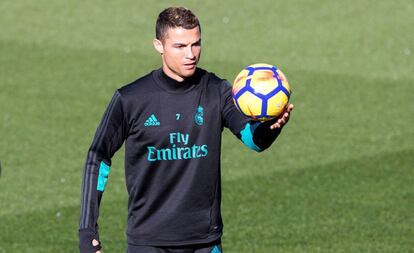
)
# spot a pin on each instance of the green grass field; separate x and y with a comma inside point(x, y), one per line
point(339, 179)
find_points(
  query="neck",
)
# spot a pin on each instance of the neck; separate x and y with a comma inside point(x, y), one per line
point(172, 85)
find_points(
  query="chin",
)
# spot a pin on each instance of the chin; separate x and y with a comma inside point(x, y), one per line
point(188, 73)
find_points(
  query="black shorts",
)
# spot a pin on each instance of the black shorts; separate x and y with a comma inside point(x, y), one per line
point(214, 247)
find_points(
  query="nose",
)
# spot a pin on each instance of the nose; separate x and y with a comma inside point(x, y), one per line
point(189, 53)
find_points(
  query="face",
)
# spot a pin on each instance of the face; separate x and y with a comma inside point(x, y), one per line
point(180, 52)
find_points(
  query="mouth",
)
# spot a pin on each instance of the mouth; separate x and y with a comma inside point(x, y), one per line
point(190, 65)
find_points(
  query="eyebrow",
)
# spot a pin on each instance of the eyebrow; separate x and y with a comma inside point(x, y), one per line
point(183, 44)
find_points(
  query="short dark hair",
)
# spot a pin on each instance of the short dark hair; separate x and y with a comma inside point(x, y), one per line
point(175, 17)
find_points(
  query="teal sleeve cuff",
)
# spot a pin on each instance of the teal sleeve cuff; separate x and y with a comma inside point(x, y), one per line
point(104, 170)
point(247, 136)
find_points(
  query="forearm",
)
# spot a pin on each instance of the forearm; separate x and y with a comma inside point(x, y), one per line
point(263, 136)
point(258, 135)
point(90, 201)
point(90, 196)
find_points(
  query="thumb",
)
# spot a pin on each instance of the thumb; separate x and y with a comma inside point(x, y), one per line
point(95, 243)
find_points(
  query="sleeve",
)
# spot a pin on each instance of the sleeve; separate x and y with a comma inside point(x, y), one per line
point(254, 134)
point(109, 137)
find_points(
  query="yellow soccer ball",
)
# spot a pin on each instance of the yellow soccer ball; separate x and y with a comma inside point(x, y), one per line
point(261, 91)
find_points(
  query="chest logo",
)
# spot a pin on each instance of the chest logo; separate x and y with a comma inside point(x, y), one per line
point(198, 118)
point(152, 121)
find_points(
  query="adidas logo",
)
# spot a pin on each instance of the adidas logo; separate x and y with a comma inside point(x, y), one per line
point(152, 121)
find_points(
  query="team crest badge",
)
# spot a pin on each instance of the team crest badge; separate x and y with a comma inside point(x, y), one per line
point(198, 118)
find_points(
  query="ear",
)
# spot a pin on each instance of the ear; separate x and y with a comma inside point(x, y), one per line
point(158, 46)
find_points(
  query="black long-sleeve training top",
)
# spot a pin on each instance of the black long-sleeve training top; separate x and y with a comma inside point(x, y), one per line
point(172, 133)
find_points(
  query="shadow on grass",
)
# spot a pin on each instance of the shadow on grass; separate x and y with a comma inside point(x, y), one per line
point(363, 205)
point(57, 230)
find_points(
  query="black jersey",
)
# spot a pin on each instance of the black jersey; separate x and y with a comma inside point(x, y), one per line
point(172, 134)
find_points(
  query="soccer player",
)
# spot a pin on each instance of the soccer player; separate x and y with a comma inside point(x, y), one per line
point(171, 121)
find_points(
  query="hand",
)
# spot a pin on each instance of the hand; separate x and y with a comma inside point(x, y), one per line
point(96, 243)
point(283, 119)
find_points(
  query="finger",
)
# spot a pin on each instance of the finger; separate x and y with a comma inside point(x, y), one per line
point(289, 107)
point(275, 126)
point(286, 117)
point(98, 251)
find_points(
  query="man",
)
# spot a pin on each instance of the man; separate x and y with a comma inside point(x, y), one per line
point(171, 121)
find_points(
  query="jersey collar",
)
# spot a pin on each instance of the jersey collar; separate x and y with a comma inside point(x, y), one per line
point(171, 85)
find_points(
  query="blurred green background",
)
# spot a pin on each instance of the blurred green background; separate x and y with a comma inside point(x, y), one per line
point(339, 179)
